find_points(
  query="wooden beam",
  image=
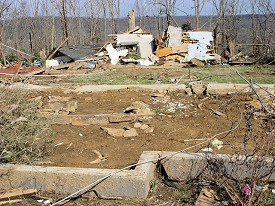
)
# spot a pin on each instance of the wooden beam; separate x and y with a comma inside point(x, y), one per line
point(17, 193)
point(57, 48)
point(10, 202)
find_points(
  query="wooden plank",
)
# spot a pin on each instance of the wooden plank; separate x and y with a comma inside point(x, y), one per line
point(180, 49)
point(10, 202)
point(17, 193)
point(57, 48)
point(39, 71)
point(77, 65)
point(175, 57)
point(69, 65)
point(164, 52)
point(133, 30)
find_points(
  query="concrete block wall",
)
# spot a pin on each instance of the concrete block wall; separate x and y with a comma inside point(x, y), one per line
point(191, 165)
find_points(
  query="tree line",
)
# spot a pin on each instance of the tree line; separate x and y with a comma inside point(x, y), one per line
point(34, 25)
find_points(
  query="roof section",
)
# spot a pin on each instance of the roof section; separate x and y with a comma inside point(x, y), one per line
point(76, 52)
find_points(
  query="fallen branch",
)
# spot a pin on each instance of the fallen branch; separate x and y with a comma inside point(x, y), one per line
point(191, 140)
point(217, 112)
point(185, 75)
point(105, 198)
point(258, 96)
point(17, 50)
point(265, 89)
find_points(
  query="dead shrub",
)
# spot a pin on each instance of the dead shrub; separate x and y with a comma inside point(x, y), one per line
point(23, 136)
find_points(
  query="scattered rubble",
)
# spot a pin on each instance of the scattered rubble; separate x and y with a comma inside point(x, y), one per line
point(114, 132)
point(189, 48)
point(139, 108)
point(16, 196)
point(207, 197)
point(100, 157)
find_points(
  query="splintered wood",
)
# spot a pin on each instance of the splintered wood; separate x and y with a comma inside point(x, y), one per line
point(16, 195)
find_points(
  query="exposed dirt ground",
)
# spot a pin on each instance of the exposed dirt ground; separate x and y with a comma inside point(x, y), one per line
point(181, 120)
point(181, 117)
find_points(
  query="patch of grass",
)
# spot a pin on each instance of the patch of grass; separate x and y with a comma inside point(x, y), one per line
point(227, 74)
point(23, 136)
point(111, 78)
point(210, 74)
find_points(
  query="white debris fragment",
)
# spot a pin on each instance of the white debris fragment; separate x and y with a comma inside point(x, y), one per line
point(61, 143)
point(114, 54)
point(20, 119)
point(47, 202)
point(199, 50)
point(217, 143)
point(207, 149)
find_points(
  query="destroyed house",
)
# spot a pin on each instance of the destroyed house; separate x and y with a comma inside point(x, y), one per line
point(69, 54)
point(142, 43)
point(186, 46)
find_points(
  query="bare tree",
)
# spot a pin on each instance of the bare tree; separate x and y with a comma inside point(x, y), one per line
point(219, 30)
point(4, 9)
point(234, 10)
point(198, 5)
point(167, 8)
point(62, 8)
point(262, 21)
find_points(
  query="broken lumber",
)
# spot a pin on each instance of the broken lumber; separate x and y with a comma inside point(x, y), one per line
point(70, 66)
point(180, 49)
point(57, 48)
point(217, 112)
point(197, 62)
point(10, 202)
point(39, 71)
point(164, 52)
point(100, 158)
point(17, 193)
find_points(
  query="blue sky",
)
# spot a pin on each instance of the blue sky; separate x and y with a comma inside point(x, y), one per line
point(182, 5)
point(187, 6)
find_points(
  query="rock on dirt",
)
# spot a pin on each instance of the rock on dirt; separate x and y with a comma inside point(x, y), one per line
point(144, 126)
point(130, 133)
point(121, 118)
point(137, 125)
point(113, 132)
point(139, 108)
point(199, 89)
point(149, 130)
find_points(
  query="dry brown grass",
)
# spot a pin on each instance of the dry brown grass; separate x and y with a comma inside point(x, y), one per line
point(23, 136)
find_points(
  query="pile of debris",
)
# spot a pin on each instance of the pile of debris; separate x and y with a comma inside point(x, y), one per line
point(19, 68)
point(137, 47)
point(184, 47)
point(134, 46)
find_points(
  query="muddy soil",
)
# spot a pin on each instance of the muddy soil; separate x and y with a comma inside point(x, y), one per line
point(179, 117)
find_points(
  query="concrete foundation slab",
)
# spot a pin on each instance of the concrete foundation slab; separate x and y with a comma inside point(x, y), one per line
point(187, 165)
point(135, 182)
point(61, 180)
